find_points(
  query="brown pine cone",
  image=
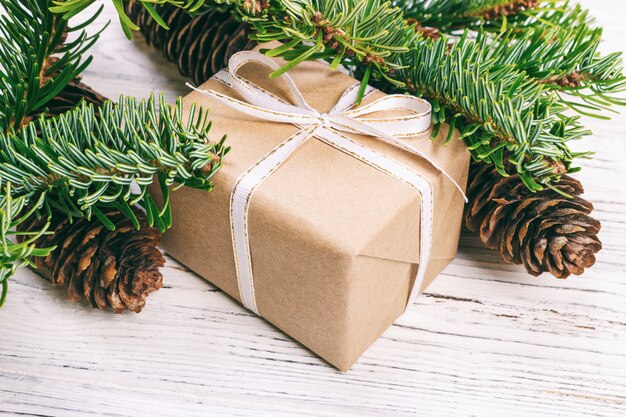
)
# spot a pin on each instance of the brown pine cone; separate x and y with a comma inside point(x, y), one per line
point(545, 231)
point(199, 45)
point(109, 268)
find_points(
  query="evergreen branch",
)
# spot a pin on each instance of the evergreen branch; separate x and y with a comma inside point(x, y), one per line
point(87, 164)
point(558, 49)
point(501, 112)
point(568, 62)
point(517, 16)
point(36, 59)
point(36, 64)
point(14, 211)
point(90, 160)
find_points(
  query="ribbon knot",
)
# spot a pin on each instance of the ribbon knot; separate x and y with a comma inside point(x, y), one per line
point(410, 117)
point(325, 120)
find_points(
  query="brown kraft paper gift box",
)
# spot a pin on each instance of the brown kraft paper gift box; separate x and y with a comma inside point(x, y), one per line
point(334, 242)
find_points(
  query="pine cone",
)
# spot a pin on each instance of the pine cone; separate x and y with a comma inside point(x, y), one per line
point(109, 268)
point(199, 45)
point(545, 231)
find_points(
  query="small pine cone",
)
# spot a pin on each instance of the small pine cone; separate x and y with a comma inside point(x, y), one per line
point(545, 230)
point(199, 45)
point(109, 268)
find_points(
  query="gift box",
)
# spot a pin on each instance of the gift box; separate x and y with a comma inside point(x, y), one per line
point(326, 244)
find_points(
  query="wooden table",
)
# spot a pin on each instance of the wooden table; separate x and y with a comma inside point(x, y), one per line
point(486, 339)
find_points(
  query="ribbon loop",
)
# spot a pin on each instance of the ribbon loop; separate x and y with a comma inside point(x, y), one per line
point(410, 117)
point(256, 95)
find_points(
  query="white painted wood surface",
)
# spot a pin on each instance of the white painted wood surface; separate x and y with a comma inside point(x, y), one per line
point(486, 339)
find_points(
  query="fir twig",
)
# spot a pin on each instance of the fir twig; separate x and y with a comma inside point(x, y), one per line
point(87, 164)
point(13, 211)
point(551, 41)
point(88, 161)
point(37, 60)
point(84, 165)
point(495, 15)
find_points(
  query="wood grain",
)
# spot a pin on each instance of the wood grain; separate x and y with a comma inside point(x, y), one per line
point(486, 339)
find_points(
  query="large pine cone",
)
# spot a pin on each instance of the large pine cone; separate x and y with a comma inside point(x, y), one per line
point(545, 231)
point(109, 268)
point(199, 45)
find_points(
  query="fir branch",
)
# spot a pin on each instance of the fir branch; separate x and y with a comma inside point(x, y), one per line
point(14, 211)
point(559, 47)
point(502, 114)
point(84, 165)
point(36, 63)
point(36, 59)
point(517, 16)
point(568, 62)
point(375, 41)
point(89, 160)
point(87, 164)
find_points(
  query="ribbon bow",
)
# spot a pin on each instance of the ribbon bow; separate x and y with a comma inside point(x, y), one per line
point(343, 117)
point(414, 120)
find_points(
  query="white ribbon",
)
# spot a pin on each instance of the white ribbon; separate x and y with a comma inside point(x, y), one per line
point(326, 127)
